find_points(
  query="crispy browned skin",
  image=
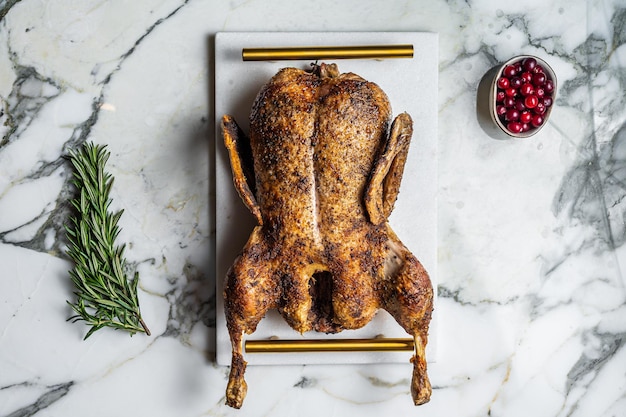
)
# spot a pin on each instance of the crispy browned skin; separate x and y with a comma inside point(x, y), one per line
point(321, 171)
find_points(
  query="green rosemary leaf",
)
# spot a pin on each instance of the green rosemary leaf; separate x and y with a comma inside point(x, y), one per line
point(105, 296)
point(95, 328)
point(108, 303)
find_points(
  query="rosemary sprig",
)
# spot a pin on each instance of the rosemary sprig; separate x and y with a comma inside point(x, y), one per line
point(105, 295)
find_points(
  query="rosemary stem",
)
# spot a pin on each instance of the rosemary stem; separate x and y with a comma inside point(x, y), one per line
point(143, 324)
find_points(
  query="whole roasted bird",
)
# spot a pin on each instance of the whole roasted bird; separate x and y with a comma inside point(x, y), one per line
point(320, 172)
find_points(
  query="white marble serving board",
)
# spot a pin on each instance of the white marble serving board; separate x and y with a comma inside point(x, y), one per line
point(411, 85)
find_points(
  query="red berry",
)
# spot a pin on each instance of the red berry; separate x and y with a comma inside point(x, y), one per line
point(511, 92)
point(525, 116)
point(519, 104)
point(515, 127)
point(540, 108)
point(549, 86)
point(531, 101)
point(538, 69)
point(527, 76)
point(537, 120)
point(527, 89)
point(539, 79)
point(500, 96)
point(529, 64)
point(525, 127)
point(515, 82)
point(511, 115)
point(540, 92)
point(500, 110)
point(509, 71)
point(503, 83)
point(547, 101)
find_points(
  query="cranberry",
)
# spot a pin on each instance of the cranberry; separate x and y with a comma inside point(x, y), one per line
point(527, 89)
point(511, 115)
point(511, 92)
point(500, 110)
point(503, 83)
point(515, 82)
point(500, 96)
point(520, 105)
point(540, 92)
point(529, 64)
point(508, 101)
point(515, 127)
point(538, 69)
point(509, 71)
point(540, 108)
point(539, 79)
point(537, 120)
point(525, 116)
point(549, 86)
point(547, 101)
point(518, 67)
point(525, 127)
point(531, 101)
point(527, 76)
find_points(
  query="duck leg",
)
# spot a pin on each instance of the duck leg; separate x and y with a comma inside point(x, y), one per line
point(407, 294)
point(251, 289)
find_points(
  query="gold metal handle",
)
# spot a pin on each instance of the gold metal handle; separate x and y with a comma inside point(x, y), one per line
point(329, 345)
point(327, 52)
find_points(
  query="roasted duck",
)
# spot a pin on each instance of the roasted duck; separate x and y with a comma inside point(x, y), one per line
point(320, 172)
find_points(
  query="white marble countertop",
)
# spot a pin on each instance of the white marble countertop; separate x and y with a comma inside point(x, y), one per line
point(531, 233)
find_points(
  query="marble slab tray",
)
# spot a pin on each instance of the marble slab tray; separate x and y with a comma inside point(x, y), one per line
point(411, 85)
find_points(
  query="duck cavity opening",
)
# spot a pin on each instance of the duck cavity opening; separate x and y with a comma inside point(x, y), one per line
point(321, 315)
